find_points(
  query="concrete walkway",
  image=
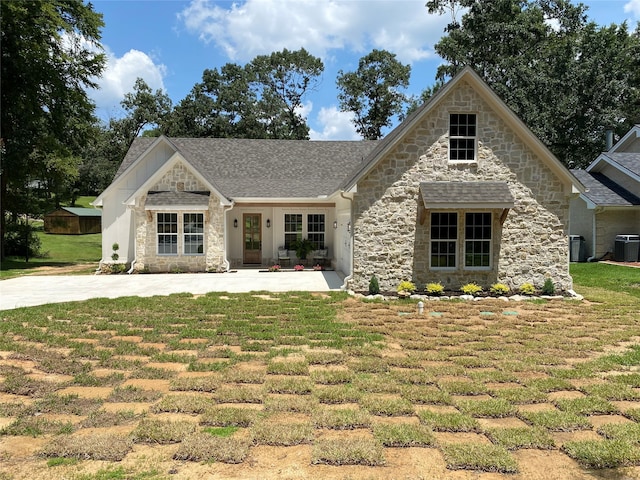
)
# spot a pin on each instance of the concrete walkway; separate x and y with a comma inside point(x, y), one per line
point(33, 290)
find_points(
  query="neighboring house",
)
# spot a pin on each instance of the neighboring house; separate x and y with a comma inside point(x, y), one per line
point(610, 205)
point(73, 221)
point(461, 191)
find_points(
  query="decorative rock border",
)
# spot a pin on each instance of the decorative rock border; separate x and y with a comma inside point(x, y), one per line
point(571, 295)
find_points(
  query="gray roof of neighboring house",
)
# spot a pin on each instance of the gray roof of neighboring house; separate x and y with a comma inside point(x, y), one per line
point(160, 199)
point(439, 194)
point(241, 168)
point(630, 161)
point(603, 191)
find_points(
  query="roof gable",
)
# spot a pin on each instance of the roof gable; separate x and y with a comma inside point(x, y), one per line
point(602, 191)
point(630, 142)
point(468, 76)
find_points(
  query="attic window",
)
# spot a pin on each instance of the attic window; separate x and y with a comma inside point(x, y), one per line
point(462, 137)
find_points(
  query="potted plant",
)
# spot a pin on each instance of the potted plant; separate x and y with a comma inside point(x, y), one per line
point(302, 247)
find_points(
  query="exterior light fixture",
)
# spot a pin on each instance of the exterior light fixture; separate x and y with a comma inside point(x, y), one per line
point(268, 223)
point(349, 227)
point(235, 223)
point(335, 224)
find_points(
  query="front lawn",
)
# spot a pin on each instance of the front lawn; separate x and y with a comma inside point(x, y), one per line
point(329, 385)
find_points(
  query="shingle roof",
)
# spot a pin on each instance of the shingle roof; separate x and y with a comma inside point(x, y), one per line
point(466, 194)
point(603, 191)
point(160, 199)
point(629, 161)
point(249, 168)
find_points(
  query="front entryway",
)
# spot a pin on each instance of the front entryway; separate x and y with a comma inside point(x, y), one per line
point(252, 238)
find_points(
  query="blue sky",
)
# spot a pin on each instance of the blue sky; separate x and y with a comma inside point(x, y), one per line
point(170, 43)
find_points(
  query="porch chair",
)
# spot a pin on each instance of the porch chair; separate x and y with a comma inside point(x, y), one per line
point(321, 256)
point(283, 256)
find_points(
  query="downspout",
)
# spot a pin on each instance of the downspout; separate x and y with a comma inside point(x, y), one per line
point(349, 277)
point(592, 258)
point(135, 246)
point(227, 265)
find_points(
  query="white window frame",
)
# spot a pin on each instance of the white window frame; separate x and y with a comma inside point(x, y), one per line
point(446, 239)
point(298, 233)
point(477, 241)
point(455, 135)
point(165, 234)
point(304, 232)
point(186, 233)
point(319, 234)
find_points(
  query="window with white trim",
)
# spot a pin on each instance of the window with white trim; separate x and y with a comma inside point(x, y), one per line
point(193, 230)
point(315, 229)
point(462, 137)
point(167, 233)
point(444, 239)
point(292, 229)
point(477, 240)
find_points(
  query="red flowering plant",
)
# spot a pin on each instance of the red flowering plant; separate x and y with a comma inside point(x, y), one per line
point(299, 268)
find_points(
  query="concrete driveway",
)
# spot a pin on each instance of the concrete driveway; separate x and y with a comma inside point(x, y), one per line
point(33, 290)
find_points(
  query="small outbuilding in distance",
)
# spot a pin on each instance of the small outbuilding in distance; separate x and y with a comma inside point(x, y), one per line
point(73, 221)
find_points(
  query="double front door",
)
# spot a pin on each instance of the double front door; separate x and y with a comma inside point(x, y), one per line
point(252, 238)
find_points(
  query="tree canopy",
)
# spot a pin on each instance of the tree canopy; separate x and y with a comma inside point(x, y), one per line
point(50, 54)
point(372, 93)
point(566, 78)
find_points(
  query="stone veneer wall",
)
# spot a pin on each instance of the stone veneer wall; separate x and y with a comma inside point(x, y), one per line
point(390, 242)
point(147, 259)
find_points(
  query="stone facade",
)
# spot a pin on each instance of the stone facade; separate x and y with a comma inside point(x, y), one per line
point(391, 242)
point(147, 259)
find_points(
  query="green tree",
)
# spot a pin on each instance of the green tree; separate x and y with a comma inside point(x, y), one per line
point(50, 54)
point(281, 81)
point(259, 100)
point(566, 78)
point(372, 92)
point(145, 110)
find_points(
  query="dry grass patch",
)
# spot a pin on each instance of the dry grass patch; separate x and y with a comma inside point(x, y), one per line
point(279, 433)
point(236, 375)
point(476, 456)
point(336, 394)
point(195, 384)
point(404, 435)
point(204, 447)
point(239, 394)
point(229, 417)
point(130, 394)
point(162, 431)
point(357, 451)
point(341, 418)
point(23, 385)
point(290, 385)
point(67, 404)
point(288, 367)
point(36, 426)
point(290, 403)
point(331, 377)
point(98, 446)
point(102, 418)
point(190, 404)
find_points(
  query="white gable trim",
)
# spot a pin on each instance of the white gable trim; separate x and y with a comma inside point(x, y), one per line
point(634, 132)
point(497, 105)
point(159, 173)
point(603, 159)
point(98, 201)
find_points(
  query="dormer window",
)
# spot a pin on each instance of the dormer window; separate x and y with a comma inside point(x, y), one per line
point(462, 137)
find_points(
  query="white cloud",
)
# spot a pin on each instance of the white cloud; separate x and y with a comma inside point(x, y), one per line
point(254, 27)
point(119, 76)
point(336, 125)
point(633, 6)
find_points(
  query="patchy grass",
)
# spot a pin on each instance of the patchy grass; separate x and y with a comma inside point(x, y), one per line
point(99, 446)
point(267, 432)
point(448, 422)
point(191, 404)
point(229, 417)
point(341, 418)
point(133, 394)
point(404, 435)
point(204, 447)
point(475, 456)
point(603, 453)
point(556, 421)
point(521, 437)
point(162, 431)
point(348, 452)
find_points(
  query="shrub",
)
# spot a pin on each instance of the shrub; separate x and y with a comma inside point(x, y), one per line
point(471, 289)
point(406, 286)
point(434, 289)
point(527, 289)
point(548, 288)
point(374, 287)
point(499, 289)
